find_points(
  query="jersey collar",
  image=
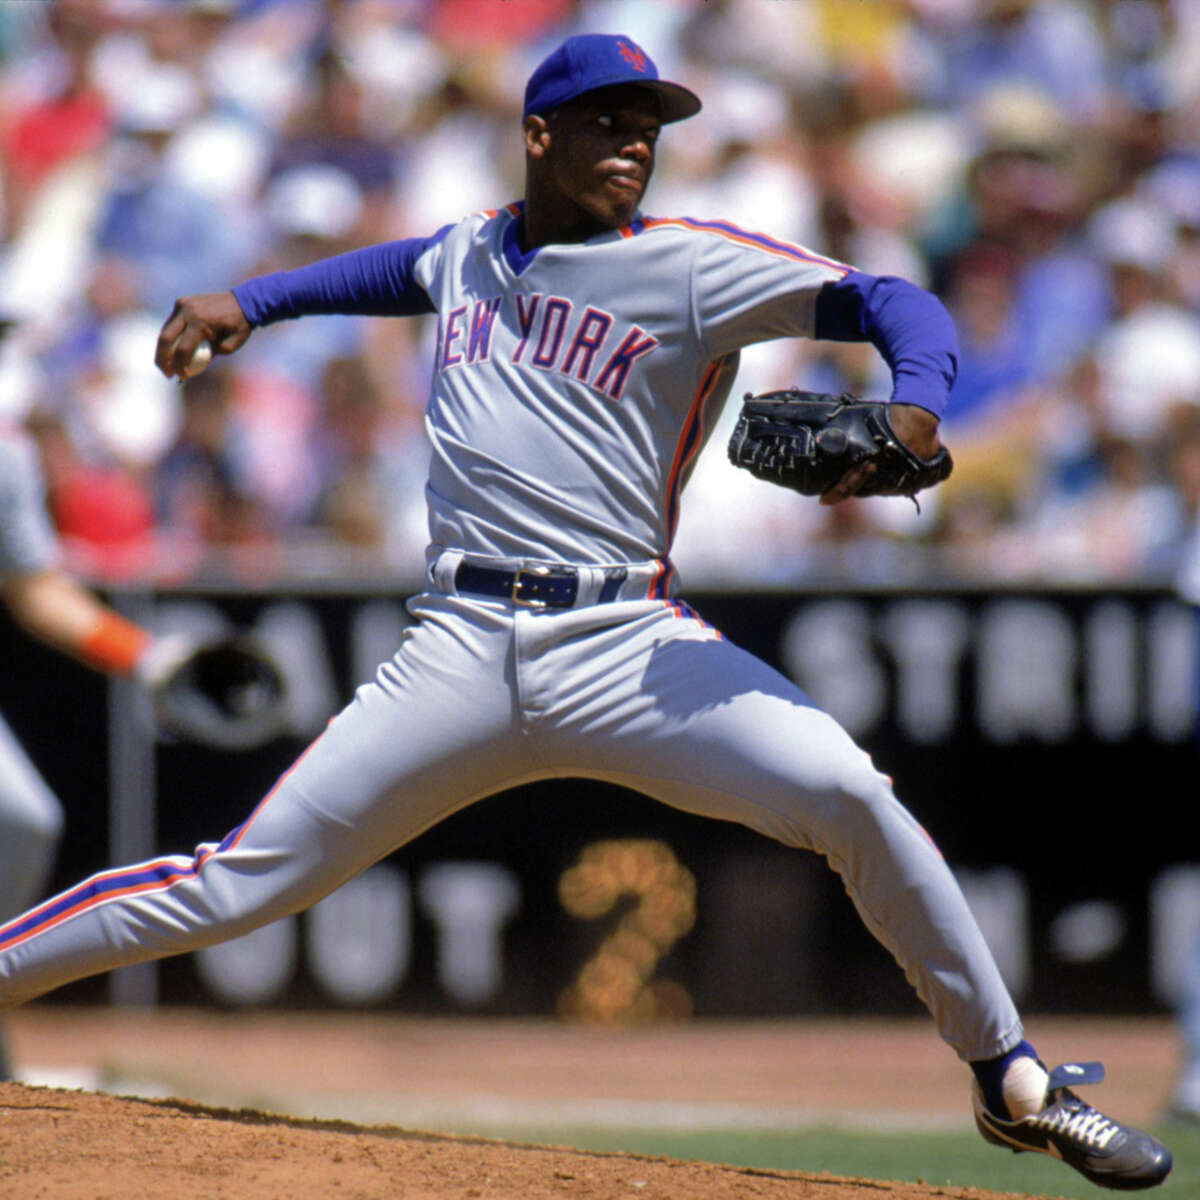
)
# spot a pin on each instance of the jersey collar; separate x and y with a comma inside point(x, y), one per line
point(519, 260)
point(516, 258)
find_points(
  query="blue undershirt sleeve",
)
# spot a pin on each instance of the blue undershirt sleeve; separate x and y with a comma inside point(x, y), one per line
point(909, 326)
point(376, 281)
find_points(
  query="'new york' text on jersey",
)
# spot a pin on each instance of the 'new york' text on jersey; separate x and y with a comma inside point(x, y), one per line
point(574, 386)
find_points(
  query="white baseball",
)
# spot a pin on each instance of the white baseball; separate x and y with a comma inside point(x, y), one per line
point(200, 359)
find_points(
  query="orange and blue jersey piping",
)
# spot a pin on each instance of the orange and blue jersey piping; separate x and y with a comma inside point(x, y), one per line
point(733, 233)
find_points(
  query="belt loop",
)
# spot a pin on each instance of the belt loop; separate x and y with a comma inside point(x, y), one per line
point(591, 580)
point(443, 570)
point(614, 579)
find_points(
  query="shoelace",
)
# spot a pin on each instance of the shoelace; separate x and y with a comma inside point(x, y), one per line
point(1082, 1123)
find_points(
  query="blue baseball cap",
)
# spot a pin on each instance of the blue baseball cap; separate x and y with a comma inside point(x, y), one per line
point(597, 60)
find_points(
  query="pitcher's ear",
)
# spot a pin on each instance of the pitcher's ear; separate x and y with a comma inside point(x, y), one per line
point(537, 135)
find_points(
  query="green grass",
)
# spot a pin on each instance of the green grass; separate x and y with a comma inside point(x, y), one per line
point(958, 1157)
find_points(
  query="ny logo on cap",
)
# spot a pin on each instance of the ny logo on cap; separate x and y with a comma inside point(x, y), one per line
point(635, 57)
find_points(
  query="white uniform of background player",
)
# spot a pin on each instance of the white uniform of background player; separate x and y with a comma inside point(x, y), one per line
point(577, 377)
point(49, 604)
point(30, 816)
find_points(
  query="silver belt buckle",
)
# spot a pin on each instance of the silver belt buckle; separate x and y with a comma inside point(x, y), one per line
point(536, 569)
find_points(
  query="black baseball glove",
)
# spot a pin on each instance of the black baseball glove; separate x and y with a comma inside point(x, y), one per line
point(807, 441)
point(228, 693)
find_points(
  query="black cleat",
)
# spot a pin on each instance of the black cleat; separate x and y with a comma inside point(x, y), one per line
point(1102, 1150)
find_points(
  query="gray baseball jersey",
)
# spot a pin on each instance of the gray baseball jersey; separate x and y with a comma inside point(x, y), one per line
point(573, 388)
point(27, 540)
point(576, 386)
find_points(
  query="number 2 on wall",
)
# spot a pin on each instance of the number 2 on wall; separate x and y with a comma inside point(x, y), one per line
point(615, 985)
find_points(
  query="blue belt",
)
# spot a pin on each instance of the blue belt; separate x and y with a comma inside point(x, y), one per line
point(538, 585)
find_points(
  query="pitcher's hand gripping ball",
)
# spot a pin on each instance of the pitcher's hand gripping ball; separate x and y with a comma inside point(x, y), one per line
point(228, 693)
point(201, 357)
point(807, 441)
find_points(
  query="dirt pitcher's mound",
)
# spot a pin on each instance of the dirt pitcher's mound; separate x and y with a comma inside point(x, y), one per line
point(71, 1145)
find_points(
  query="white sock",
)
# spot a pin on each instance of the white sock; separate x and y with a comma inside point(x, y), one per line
point(1024, 1088)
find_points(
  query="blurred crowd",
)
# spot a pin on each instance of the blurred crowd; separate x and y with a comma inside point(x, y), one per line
point(1034, 162)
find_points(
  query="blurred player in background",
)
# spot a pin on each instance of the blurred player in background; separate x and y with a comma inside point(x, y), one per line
point(53, 607)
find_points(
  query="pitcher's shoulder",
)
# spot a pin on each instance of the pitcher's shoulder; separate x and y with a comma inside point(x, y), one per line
point(717, 232)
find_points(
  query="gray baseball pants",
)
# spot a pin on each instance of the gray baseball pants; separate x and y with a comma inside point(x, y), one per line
point(483, 696)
